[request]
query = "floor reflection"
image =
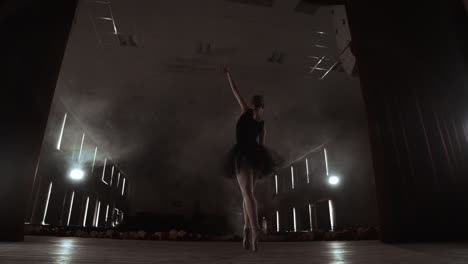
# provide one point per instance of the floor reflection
(64, 251)
(337, 252)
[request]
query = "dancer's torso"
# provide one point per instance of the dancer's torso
(248, 129)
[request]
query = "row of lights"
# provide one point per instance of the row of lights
(98, 209)
(331, 212)
(332, 180)
(78, 175)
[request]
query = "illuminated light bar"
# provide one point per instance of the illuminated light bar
(81, 147)
(71, 208)
(328, 71)
(98, 211)
(317, 64)
(86, 212)
(276, 183)
(307, 169)
(47, 204)
(107, 212)
(310, 217)
(104, 172)
(318, 68)
(95, 213)
(118, 180)
(318, 58)
(277, 221)
(112, 175)
(61, 132)
(320, 46)
(105, 18)
(94, 159)
(123, 186)
(326, 159)
(332, 215)
(294, 218)
(292, 177)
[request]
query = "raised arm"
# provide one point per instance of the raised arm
(243, 104)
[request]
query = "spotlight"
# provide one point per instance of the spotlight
(333, 180)
(76, 174)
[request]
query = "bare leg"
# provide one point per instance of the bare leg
(255, 201)
(245, 177)
(246, 230)
(246, 234)
(246, 216)
(255, 228)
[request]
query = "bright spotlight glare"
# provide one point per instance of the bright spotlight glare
(76, 174)
(333, 180)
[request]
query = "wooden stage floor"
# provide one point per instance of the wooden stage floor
(37, 249)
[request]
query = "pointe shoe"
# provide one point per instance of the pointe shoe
(246, 239)
(255, 238)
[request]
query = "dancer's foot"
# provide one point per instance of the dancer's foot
(246, 239)
(255, 238)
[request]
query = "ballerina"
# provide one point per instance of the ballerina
(249, 160)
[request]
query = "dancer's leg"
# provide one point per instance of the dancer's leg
(245, 177)
(255, 228)
(246, 216)
(254, 182)
(246, 232)
(246, 229)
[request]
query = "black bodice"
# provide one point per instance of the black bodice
(248, 129)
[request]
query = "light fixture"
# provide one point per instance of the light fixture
(333, 180)
(277, 221)
(77, 174)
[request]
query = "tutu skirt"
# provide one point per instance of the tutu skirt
(258, 157)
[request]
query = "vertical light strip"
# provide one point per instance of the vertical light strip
(86, 211)
(95, 213)
(294, 218)
(118, 180)
(47, 203)
(112, 175)
(276, 183)
(332, 214)
(326, 160)
(104, 171)
(123, 186)
(94, 159)
(107, 212)
(112, 17)
(310, 218)
(277, 221)
(71, 208)
(98, 211)
(81, 147)
(292, 177)
(307, 169)
(61, 132)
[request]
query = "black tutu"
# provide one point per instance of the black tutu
(248, 151)
(259, 157)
